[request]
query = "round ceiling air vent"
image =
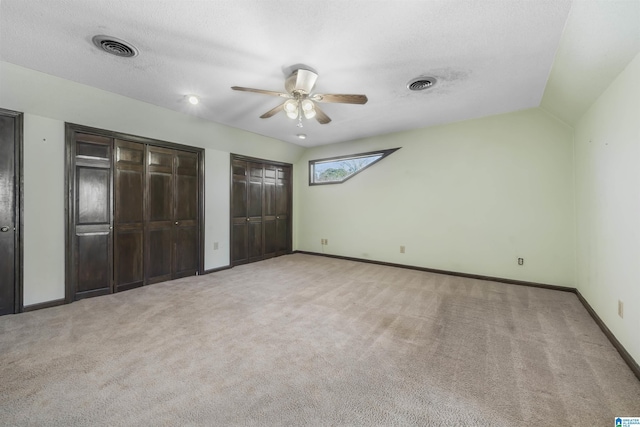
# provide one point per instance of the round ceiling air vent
(115, 46)
(421, 83)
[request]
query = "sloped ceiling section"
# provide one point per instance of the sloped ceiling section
(600, 40)
(489, 57)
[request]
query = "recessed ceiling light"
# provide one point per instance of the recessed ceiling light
(193, 99)
(421, 83)
(301, 136)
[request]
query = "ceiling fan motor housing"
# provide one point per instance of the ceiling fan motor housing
(301, 82)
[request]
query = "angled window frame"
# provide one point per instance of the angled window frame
(381, 153)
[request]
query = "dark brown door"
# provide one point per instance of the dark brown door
(185, 195)
(270, 211)
(254, 212)
(283, 211)
(247, 202)
(92, 214)
(128, 244)
(239, 217)
(160, 214)
(173, 224)
(134, 211)
(260, 210)
(9, 130)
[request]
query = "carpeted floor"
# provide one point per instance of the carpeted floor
(307, 340)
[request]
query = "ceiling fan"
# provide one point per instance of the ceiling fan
(300, 99)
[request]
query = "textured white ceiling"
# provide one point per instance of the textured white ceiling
(599, 41)
(489, 57)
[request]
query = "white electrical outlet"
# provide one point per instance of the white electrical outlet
(324, 241)
(401, 249)
(621, 309)
(215, 246)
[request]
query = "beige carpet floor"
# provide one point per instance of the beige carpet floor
(307, 340)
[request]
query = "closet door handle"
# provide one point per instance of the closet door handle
(248, 219)
(4, 229)
(176, 222)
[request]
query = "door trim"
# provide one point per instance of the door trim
(18, 303)
(70, 130)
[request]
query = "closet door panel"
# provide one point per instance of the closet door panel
(283, 210)
(254, 200)
(129, 196)
(239, 243)
(160, 203)
(92, 217)
(269, 210)
(94, 193)
(239, 212)
(94, 266)
(186, 189)
(239, 190)
(255, 240)
(159, 254)
(270, 233)
(129, 215)
(129, 182)
(254, 211)
(186, 214)
(129, 259)
(269, 190)
(186, 242)
(159, 249)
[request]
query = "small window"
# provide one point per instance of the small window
(336, 170)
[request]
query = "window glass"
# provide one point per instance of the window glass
(338, 169)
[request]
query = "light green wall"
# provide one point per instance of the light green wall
(468, 197)
(48, 102)
(43, 209)
(607, 153)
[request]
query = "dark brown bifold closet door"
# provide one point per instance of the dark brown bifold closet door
(185, 197)
(10, 129)
(160, 214)
(129, 215)
(173, 236)
(283, 210)
(269, 220)
(260, 210)
(91, 238)
(239, 213)
(246, 209)
(134, 212)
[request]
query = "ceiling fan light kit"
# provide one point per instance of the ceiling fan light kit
(300, 99)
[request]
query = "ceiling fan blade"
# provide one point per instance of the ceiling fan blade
(273, 111)
(265, 92)
(321, 117)
(341, 98)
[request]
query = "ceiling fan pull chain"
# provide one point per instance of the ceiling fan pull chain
(299, 115)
